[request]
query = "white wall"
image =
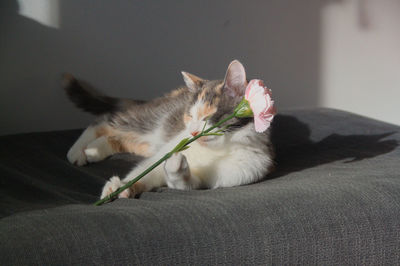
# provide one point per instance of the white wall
(310, 53)
(360, 58)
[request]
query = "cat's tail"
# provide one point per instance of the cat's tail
(87, 98)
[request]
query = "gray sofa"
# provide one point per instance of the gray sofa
(334, 199)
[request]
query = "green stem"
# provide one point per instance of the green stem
(133, 181)
(165, 157)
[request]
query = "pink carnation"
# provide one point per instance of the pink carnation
(259, 97)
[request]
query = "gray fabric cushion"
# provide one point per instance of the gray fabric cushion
(334, 199)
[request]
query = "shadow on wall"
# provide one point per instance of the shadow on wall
(136, 49)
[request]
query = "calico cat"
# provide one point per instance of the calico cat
(153, 128)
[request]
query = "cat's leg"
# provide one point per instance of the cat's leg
(76, 154)
(100, 141)
(152, 180)
(111, 141)
(175, 173)
(95, 144)
(178, 175)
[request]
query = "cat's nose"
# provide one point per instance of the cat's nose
(195, 133)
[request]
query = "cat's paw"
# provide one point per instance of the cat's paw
(112, 185)
(115, 183)
(77, 156)
(94, 154)
(178, 175)
(177, 171)
(177, 163)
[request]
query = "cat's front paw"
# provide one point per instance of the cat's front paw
(177, 171)
(176, 164)
(77, 156)
(112, 185)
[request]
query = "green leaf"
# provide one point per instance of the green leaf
(180, 145)
(184, 148)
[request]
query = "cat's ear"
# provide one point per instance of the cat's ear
(193, 82)
(235, 79)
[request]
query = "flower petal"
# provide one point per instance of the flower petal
(260, 124)
(249, 88)
(261, 103)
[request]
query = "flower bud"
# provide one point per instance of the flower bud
(243, 109)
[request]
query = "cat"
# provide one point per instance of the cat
(153, 128)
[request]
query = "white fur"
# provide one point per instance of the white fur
(177, 173)
(155, 137)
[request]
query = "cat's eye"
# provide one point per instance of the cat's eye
(187, 118)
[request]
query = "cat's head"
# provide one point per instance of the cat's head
(213, 100)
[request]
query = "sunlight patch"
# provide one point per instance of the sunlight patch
(45, 12)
